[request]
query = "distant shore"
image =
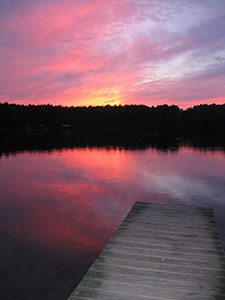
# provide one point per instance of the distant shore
(18, 140)
(128, 117)
(47, 126)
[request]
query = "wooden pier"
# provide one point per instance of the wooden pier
(159, 252)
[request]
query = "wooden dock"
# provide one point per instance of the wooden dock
(159, 252)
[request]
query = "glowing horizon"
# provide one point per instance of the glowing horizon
(82, 53)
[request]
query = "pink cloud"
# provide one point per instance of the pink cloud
(70, 52)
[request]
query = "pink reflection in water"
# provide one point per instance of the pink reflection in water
(73, 200)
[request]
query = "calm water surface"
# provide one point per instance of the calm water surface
(58, 209)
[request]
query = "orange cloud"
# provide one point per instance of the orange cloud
(111, 52)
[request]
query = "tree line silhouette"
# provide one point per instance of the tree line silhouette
(163, 119)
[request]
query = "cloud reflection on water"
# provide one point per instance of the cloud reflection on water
(67, 204)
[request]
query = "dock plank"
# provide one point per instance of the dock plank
(159, 252)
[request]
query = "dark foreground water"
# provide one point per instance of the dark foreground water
(58, 209)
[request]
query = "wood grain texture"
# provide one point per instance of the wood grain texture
(159, 252)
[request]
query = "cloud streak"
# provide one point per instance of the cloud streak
(94, 52)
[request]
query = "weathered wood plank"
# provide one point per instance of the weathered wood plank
(160, 267)
(159, 252)
(162, 258)
(168, 248)
(186, 258)
(157, 275)
(170, 226)
(163, 228)
(114, 275)
(170, 243)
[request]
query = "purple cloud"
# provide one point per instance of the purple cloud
(94, 52)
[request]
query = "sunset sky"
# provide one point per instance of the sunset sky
(98, 52)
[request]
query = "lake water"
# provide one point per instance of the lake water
(58, 209)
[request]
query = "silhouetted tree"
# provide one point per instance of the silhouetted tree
(139, 118)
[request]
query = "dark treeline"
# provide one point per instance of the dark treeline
(139, 118)
(47, 127)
